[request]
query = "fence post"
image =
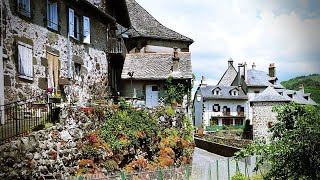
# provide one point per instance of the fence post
(187, 171)
(237, 166)
(122, 176)
(209, 172)
(217, 170)
(245, 167)
(160, 174)
(228, 169)
(16, 116)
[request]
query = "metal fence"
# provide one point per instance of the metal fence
(22, 116)
(222, 169)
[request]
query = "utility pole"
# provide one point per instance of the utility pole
(1, 66)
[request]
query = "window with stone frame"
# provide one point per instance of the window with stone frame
(25, 63)
(216, 108)
(77, 70)
(52, 15)
(23, 7)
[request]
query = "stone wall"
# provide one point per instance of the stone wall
(263, 117)
(34, 31)
(53, 151)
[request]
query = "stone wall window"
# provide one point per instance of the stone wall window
(25, 64)
(52, 15)
(77, 70)
(216, 108)
(24, 7)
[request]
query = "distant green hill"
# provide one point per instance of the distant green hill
(311, 85)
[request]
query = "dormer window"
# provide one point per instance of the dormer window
(290, 95)
(234, 92)
(306, 97)
(216, 91)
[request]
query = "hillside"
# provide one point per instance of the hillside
(311, 85)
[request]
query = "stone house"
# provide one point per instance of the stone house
(260, 88)
(39, 56)
(151, 58)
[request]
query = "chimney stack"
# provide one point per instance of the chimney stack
(245, 70)
(253, 65)
(301, 88)
(239, 73)
(230, 62)
(203, 82)
(272, 70)
(175, 59)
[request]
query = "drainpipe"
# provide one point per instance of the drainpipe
(1, 68)
(69, 70)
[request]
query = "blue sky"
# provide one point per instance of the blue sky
(284, 32)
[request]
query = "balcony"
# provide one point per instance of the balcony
(116, 46)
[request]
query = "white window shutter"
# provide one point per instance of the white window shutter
(71, 22)
(20, 59)
(30, 63)
(86, 30)
(55, 15)
(25, 61)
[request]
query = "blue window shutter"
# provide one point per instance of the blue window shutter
(71, 22)
(86, 30)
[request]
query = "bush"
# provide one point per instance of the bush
(239, 176)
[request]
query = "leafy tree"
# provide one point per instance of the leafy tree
(294, 149)
(174, 91)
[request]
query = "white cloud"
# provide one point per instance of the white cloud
(246, 30)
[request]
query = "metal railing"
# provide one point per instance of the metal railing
(22, 116)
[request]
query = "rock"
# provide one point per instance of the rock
(37, 156)
(65, 136)
(29, 156)
(60, 128)
(43, 169)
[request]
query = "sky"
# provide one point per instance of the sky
(284, 32)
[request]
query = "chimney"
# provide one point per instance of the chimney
(272, 70)
(203, 82)
(230, 62)
(175, 59)
(253, 65)
(301, 88)
(239, 73)
(245, 71)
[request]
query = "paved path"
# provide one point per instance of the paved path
(204, 166)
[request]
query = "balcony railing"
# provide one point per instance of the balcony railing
(225, 114)
(116, 46)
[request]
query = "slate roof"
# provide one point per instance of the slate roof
(144, 24)
(298, 97)
(270, 95)
(224, 93)
(257, 78)
(156, 66)
(229, 76)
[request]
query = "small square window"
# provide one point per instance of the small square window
(216, 108)
(154, 88)
(24, 7)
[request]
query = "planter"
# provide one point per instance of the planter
(200, 131)
(87, 109)
(54, 100)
